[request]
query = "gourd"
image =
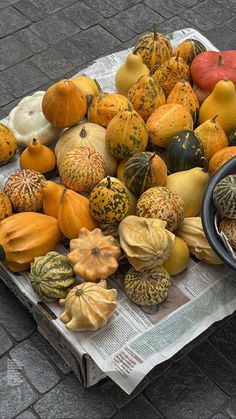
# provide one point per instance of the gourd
(171, 71)
(38, 157)
(24, 189)
(184, 152)
(132, 198)
(212, 137)
(88, 86)
(146, 95)
(221, 102)
(184, 183)
(145, 241)
(5, 206)
(87, 134)
(179, 258)
(189, 49)
(166, 122)
(154, 48)
(224, 197)
(147, 289)
(64, 105)
(105, 106)
(26, 235)
(51, 197)
(120, 170)
(27, 121)
(8, 144)
(51, 276)
(109, 201)
(232, 138)
(93, 255)
(220, 158)
(126, 134)
(88, 306)
(144, 170)
(183, 94)
(228, 227)
(191, 231)
(73, 214)
(129, 73)
(162, 203)
(81, 168)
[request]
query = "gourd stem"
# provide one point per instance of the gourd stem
(83, 133)
(214, 118)
(108, 182)
(154, 29)
(220, 60)
(63, 195)
(177, 56)
(98, 85)
(2, 254)
(35, 142)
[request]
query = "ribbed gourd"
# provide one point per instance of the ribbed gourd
(189, 49)
(224, 197)
(51, 276)
(105, 106)
(172, 71)
(183, 94)
(219, 158)
(212, 137)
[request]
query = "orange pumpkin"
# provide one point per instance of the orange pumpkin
(105, 106)
(220, 158)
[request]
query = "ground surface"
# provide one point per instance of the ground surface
(42, 41)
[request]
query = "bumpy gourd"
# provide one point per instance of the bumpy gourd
(147, 289)
(183, 94)
(105, 106)
(224, 197)
(51, 276)
(37, 157)
(93, 255)
(212, 137)
(129, 73)
(8, 144)
(88, 306)
(25, 236)
(146, 242)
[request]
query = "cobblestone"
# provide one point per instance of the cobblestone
(12, 51)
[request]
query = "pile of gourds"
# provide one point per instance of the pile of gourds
(132, 176)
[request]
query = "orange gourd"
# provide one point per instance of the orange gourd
(38, 157)
(220, 158)
(212, 137)
(172, 71)
(183, 94)
(52, 192)
(105, 106)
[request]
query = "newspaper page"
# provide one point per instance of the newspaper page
(135, 338)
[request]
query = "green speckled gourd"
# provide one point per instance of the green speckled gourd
(147, 289)
(109, 201)
(126, 134)
(189, 49)
(172, 71)
(51, 276)
(183, 94)
(224, 197)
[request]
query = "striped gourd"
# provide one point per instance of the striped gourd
(189, 49)
(109, 201)
(51, 276)
(172, 71)
(224, 197)
(144, 170)
(147, 289)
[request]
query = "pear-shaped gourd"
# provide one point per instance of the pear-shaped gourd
(212, 137)
(38, 157)
(221, 102)
(184, 183)
(129, 73)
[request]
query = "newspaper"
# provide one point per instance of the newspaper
(135, 339)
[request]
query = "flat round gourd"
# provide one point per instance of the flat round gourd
(184, 152)
(147, 289)
(162, 203)
(51, 276)
(224, 197)
(8, 144)
(189, 49)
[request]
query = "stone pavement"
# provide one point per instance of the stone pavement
(42, 41)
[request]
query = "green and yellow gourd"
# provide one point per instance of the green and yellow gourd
(183, 94)
(172, 71)
(51, 276)
(109, 201)
(224, 197)
(189, 49)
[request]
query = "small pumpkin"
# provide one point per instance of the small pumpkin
(88, 306)
(64, 105)
(5, 206)
(146, 95)
(171, 71)
(109, 201)
(51, 276)
(189, 49)
(224, 197)
(166, 122)
(105, 106)
(88, 86)
(24, 189)
(93, 255)
(38, 157)
(184, 152)
(212, 137)
(183, 94)
(129, 73)
(52, 192)
(126, 134)
(147, 289)
(144, 170)
(25, 236)
(220, 158)
(73, 214)
(162, 203)
(8, 144)
(155, 48)
(82, 168)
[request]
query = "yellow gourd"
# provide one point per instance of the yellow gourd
(89, 87)
(129, 73)
(184, 183)
(221, 102)
(179, 258)
(37, 157)
(212, 137)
